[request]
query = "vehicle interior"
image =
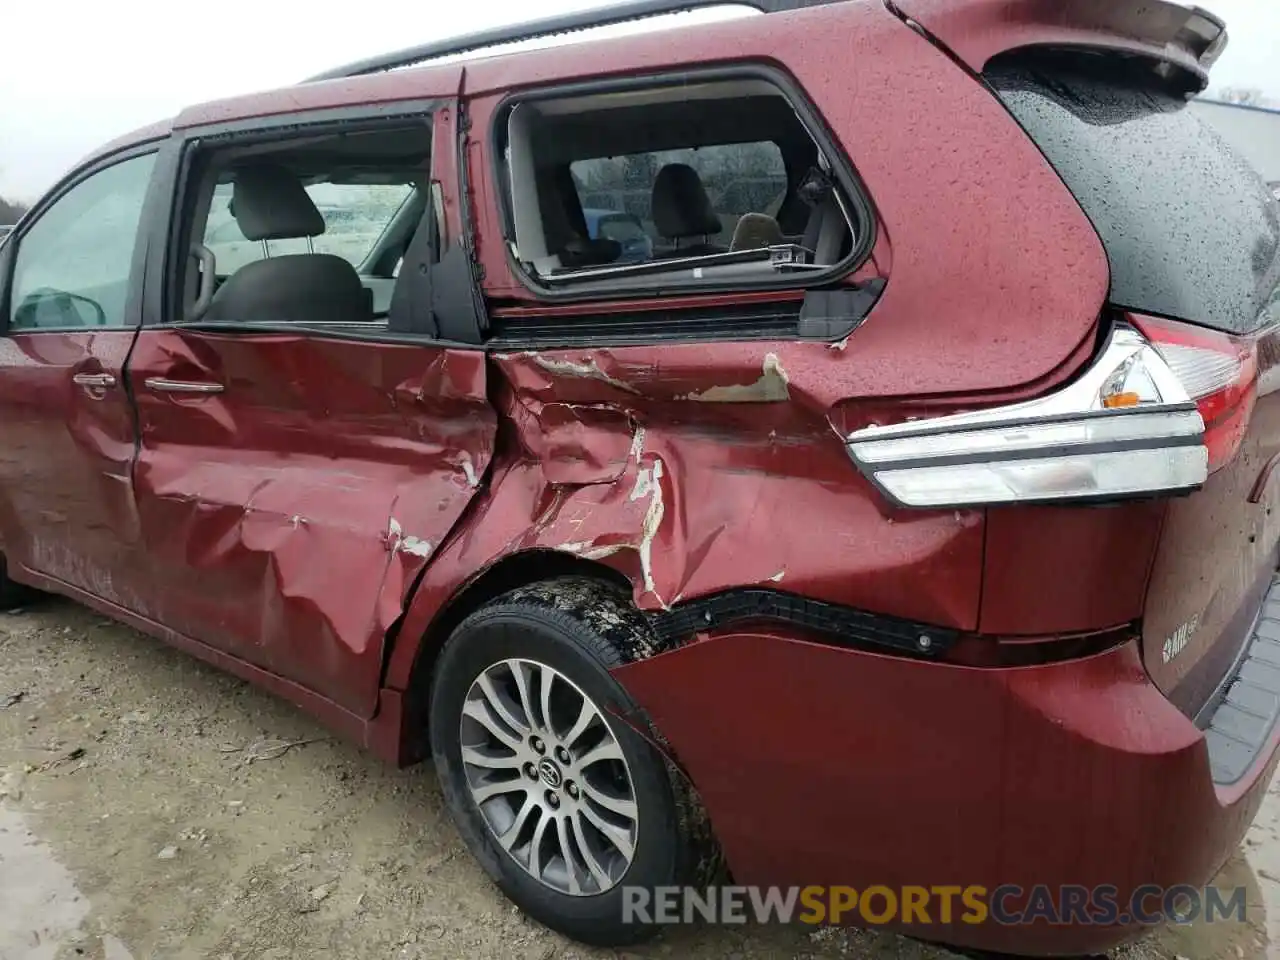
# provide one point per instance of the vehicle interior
(305, 231)
(723, 176)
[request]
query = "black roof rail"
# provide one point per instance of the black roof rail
(547, 27)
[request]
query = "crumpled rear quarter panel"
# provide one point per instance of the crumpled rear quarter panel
(694, 470)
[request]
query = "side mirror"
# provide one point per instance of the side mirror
(72, 310)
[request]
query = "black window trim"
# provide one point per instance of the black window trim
(163, 297)
(853, 191)
(138, 262)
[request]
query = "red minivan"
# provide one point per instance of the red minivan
(903, 515)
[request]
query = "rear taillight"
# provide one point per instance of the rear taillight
(1218, 371)
(1127, 427)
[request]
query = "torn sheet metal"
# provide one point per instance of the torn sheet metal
(584, 444)
(703, 484)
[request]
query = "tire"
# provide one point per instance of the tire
(571, 630)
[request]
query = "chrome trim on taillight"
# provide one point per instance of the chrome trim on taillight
(1068, 446)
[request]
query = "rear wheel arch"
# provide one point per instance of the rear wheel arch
(513, 571)
(570, 632)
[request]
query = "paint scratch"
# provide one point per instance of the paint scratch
(588, 370)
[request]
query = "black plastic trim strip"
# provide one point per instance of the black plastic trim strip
(298, 122)
(373, 333)
(771, 321)
(846, 625)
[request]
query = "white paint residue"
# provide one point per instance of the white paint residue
(589, 551)
(839, 345)
(652, 523)
(469, 469)
(637, 444)
(296, 521)
(399, 543)
(777, 577)
(40, 907)
(588, 370)
(415, 546)
(772, 387)
(646, 480)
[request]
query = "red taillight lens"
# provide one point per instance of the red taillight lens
(1218, 371)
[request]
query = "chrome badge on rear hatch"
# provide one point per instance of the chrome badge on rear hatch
(1179, 639)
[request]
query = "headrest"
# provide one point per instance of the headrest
(269, 203)
(756, 231)
(681, 207)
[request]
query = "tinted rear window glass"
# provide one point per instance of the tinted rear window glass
(1190, 229)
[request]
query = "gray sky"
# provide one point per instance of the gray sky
(77, 73)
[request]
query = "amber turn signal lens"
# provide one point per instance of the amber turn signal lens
(1121, 400)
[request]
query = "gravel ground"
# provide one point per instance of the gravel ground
(147, 809)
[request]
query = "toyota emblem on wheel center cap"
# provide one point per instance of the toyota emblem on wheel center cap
(550, 773)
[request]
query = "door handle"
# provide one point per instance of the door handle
(162, 385)
(99, 380)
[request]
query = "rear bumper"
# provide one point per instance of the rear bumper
(1240, 721)
(823, 766)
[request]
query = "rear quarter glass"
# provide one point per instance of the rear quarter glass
(1190, 229)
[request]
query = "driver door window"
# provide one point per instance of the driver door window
(71, 268)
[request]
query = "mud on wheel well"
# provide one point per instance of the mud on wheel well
(504, 576)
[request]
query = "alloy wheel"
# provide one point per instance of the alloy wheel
(549, 777)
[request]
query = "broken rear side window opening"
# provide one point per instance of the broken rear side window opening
(714, 182)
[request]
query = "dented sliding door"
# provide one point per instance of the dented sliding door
(292, 486)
